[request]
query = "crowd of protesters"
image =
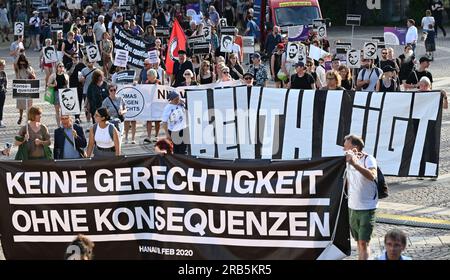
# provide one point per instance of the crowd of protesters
(95, 22)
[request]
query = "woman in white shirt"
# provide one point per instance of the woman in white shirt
(103, 137)
(426, 21)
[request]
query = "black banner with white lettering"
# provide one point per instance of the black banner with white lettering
(26, 89)
(136, 46)
(401, 129)
(175, 207)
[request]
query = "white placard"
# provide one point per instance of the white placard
(153, 56)
(226, 43)
(121, 58)
(248, 44)
(68, 99)
(354, 58)
(19, 28)
(93, 53)
(370, 50)
(50, 54)
(317, 53)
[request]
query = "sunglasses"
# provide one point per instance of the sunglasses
(112, 90)
(383, 53)
(60, 66)
(226, 72)
(309, 65)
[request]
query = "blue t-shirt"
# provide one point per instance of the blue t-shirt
(69, 149)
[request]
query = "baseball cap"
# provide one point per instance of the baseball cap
(388, 68)
(423, 59)
(280, 46)
(256, 55)
(172, 95)
(181, 52)
(299, 64)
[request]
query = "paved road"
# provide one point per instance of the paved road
(425, 204)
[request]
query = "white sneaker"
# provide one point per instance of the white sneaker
(154, 139)
(2, 124)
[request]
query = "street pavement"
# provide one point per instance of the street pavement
(421, 208)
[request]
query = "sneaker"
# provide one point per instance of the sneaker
(7, 39)
(147, 140)
(2, 125)
(19, 121)
(154, 139)
(133, 142)
(125, 141)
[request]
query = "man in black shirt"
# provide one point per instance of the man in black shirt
(301, 80)
(414, 77)
(74, 82)
(181, 65)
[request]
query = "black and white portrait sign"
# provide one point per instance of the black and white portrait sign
(50, 54)
(68, 98)
(121, 58)
(226, 43)
(320, 27)
(207, 32)
(19, 28)
(354, 59)
(93, 53)
(370, 50)
(223, 22)
(292, 52)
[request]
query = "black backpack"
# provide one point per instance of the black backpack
(382, 187)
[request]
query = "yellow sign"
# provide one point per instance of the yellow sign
(296, 3)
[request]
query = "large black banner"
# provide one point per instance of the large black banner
(401, 129)
(151, 207)
(136, 46)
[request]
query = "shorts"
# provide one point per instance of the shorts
(362, 223)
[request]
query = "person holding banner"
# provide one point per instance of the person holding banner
(69, 140)
(35, 136)
(23, 72)
(174, 122)
(360, 178)
(104, 138)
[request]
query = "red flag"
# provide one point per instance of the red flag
(177, 42)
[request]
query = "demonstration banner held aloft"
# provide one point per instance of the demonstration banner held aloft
(136, 46)
(175, 207)
(401, 129)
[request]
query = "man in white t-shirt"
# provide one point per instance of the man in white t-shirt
(362, 192)
(174, 122)
(412, 34)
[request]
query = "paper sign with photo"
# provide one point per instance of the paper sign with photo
(93, 53)
(354, 58)
(370, 50)
(50, 54)
(68, 98)
(226, 43)
(19, 28)
(292, 52)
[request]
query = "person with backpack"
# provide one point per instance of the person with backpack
(368, 76)
(104, 139)
(362, 192)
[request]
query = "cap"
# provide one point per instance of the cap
(256, 55)
(35, 12)
(388, 68)
(249, 74)
(280, 46)
(299, 64)
(172, 95)
(423, 59)
(181, 52)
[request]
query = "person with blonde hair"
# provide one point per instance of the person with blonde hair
(205, 75)
(333, 81)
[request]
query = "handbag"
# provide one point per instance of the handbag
(120, 117)
(49, 95)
